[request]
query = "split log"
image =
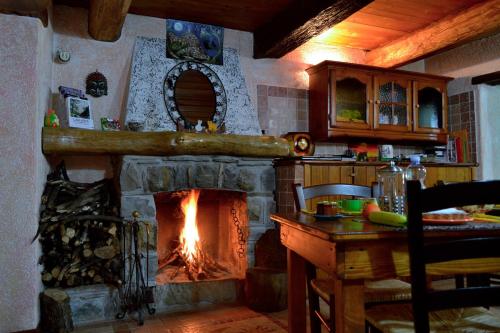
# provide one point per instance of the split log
(55, 311)
(105, 252)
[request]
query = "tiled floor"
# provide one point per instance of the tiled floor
(234, 319)
(228, 319)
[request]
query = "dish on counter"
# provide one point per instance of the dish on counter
(446, 218)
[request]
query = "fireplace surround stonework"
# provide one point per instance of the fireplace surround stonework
(141, 177)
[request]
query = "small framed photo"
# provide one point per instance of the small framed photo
(79, 113)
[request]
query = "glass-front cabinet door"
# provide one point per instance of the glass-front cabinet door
(429, 107)
(351, 99)
(392, 103)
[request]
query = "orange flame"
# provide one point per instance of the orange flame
(189, 236)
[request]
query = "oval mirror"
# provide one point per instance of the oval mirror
(193, 92)
(194, 96)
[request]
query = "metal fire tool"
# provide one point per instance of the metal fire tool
(135, 291)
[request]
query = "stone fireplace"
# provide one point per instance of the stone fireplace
(237, 193)
(154, 186)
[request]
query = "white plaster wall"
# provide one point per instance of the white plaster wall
(113, 60)
(489, 120)
(25, 66)
(475, 58)
(472, 59)
(417, 66)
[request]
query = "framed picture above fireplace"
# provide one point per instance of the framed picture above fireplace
(194, 95)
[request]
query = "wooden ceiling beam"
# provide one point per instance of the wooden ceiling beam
(477, 21)
(34, 8)
(106, 18)
(299, 22)
(492, 79)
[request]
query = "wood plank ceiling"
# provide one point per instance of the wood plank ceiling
(386, 29)
(383, 21)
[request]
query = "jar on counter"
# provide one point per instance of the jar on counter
(391, 188)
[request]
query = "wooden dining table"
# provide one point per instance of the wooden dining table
(352, 250)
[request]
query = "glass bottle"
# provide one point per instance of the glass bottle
(415, 171)
(391, 188)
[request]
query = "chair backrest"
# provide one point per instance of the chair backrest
(301, 194)
(422, 253)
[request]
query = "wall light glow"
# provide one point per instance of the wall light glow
(315, 56)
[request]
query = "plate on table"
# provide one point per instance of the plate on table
(351, 213)
(320, 217)
(446, 218)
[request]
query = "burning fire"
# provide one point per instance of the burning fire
(189, 237)
(189, 254)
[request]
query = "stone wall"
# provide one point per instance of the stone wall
(141, 177)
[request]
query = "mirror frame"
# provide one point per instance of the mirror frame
(169, 92)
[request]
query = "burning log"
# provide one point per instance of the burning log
(79, 232)
(201, 267)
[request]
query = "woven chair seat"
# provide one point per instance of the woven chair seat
(379, 291)
(389, 318)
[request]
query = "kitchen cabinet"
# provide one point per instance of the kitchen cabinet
(449, 174)
(352, 96)
(317, 171)
(324, 173)
(393, 106)
(430, 103)
(349, 101)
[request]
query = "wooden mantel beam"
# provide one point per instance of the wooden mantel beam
(106, 18)
(64, 141)
(301, 21)
(474, 22)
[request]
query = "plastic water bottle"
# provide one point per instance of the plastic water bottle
(415, 171)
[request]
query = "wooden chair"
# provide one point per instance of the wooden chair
(391, 290)
(452, 310)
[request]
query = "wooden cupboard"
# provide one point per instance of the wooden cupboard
(317, 171)
(429, 106)
(356, 101)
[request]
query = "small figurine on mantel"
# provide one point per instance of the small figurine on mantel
(199, 126)
(51, 119)
(212, 127)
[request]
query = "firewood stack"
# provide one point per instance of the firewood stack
(80, 233)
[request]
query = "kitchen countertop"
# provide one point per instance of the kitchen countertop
(335, 159)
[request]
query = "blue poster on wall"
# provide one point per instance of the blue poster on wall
(195, 41)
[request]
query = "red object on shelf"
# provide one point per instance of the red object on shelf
(460, 153)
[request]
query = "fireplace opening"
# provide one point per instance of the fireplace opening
(201, 235)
